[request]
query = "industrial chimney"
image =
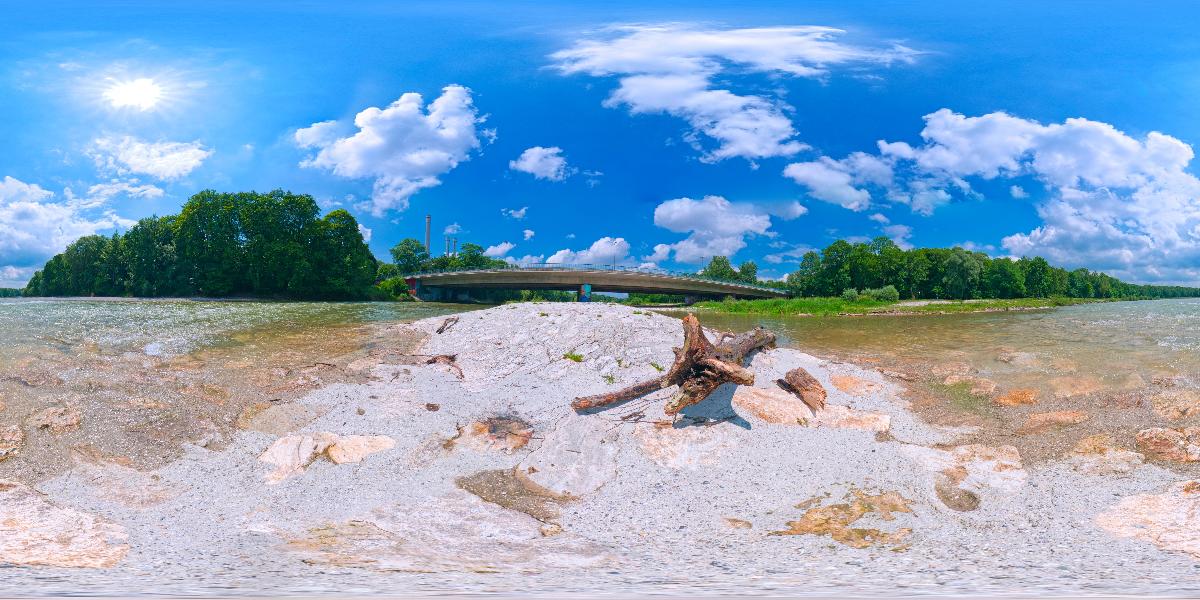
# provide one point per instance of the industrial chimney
(454, 246)
(447, 245)
(428, 221)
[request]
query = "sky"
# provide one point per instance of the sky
(655, 134)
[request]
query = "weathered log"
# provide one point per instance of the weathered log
(447, 324)
(699, 369)
(448, 360)
(805, 387)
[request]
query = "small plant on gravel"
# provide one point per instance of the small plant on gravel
(609, 379)
(575, 356)
(542, 314)
(657, 367)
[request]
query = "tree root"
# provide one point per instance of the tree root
(447, 324)
(699, 369)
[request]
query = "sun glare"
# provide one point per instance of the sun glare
(141, 93)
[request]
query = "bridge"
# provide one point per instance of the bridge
(583, 279)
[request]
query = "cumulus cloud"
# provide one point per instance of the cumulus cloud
(365, 232)
(34, 226)
(162, 160)
(101, 193)
(403, 148)
(543, 163)
(528, 259)
(499, 250)
(842, 182)
(514, 213)
(715, 226)
(1119, 203)
(675, 69)
(528, 233)
(604, 251)
(452, 229)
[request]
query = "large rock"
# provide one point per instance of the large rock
(503, 434)
(37, 532)
(1017, 397)
(1177, 403)
(1176, 445)
(683, 447)
(576, 458)
(56, 419)
(780, 407)
(854, 385)
(1096, 455)
(975, 469)
(291, 455)
(1167, 520)
(12, 439)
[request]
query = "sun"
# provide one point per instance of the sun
(142, 93)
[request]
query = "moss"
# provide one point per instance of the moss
(657, 367)
(574, 356)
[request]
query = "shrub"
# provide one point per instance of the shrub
(887, 293)
(394, 288)
(573, 356)
(850, 295)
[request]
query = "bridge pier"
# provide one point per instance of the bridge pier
(689, 299)
(585, 292)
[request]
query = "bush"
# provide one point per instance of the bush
(850, 295)
(887, 293)
(394, 288)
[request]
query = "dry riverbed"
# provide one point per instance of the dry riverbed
(373, 472)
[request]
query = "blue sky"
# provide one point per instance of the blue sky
(641, 133)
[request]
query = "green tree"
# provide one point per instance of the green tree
(803, 281)
(962, 271)
(748, 272)
(720, 269)
(410, 256)
(1003, 279)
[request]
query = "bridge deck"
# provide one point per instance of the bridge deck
(601, 280)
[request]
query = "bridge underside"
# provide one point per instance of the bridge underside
(442, 285)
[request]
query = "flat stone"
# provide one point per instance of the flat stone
(12, 439)
(855, 386)
(37, 532)
(683, 447)
(974, 468)
(1017, 397)
(1175, 445)
(291, 455)
(1069, 387)
(576, 458)
(502, 434)
(780, 407)
(1096, 455)
(1176, 403)
(56, 419)
(1167, 520)
(979, 386)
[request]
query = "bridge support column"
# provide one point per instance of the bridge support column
(585, 292)
(689, 300)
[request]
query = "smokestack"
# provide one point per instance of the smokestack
(447, 245)
(428, 221)
(454, 246)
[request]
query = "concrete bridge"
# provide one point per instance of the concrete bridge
(582, 279)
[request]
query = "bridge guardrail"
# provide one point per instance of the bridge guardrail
(597, 267)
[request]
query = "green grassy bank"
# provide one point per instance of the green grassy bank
(824, 307)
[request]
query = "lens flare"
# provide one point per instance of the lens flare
(142, 94)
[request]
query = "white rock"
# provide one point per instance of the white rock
(1167, 520)
(37, 532)
(291, 455)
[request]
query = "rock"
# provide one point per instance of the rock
(504, 434)
(1027, 360)
(1177, 403)
(777, 406)
(456, 532)
(12, 439)
(291, 455)
(950, 368)
(835, 520)
(37, 532)
(1017, 397)
(1175, 445)
(1167, 520)
(974, 468)
(954, 497)
(734, 523)
(1133, 381)
(576, 458)
(852, 385)
(979, 386)
(123, 485)
(684, 447)
(902, 376)
(1069, 387)
(1060, 418)
(1096, 455)
(1064, 365)
(56, 419)
(800, 383)
(512, 489)
(280, 419)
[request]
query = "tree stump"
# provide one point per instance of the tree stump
(699, 369)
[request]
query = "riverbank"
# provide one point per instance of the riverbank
(391, 470)
(829, 307)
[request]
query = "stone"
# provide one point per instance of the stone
(735, 523)
(835, 520)
(12, 439)
(902, 376)
(971, 470)
(683, 447)
(947, 369)
(56, 419)
(780, 407)
(457, 532)
(1167, 520)
(1059, 418)
(979, 386)
(576, 458)
(1174, 445)
(954, 497)
(1017, 397)
(37, 532)
(1096, 455)
(1177, 403)
(1027, 360)
(1069, 387)
(855, 386)
(291, 455)
(503, 434)
(278, 419)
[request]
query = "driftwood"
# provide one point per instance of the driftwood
(447, 324)
(699, 369)
(448, 360)
(805, 387)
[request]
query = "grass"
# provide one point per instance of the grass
(657, 367)
(824, 307)
(609, 379)
(960, 397)
(573, 356)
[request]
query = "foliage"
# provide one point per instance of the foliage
(573, 356)
(221, 244)
(9, 293)
(850, 295)
(887, 293)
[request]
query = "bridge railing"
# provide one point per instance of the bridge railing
(600, 267)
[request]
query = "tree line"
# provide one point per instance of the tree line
(952, 273)
(272, 245)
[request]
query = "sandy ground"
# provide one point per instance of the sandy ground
(418, 480)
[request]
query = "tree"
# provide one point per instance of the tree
(410, 256)
(803, 281)
(1003, 279)
(962, 273)
(748, 272)
(720, 269)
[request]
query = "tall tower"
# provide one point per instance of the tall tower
(428, 221)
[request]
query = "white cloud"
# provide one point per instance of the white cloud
(365, 232)
(162, 160)
(900, 234)
(1117, 203)
(789, 253)
(674, 69)
(13, 277)
(543, 163)
(514, 213)
(1018, 192)
(499, 250)
(880, 218)
(528, 233)
(715, 226)
(528, 259)
(452, 229)
(842, 182)
(404, 147)
(604, 251)
(101, 193)
(34, 227)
